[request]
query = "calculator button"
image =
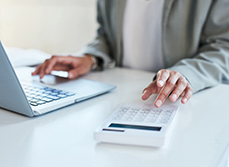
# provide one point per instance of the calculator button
(162, 121)
(116, 118)
(150, 120)
(138, 120)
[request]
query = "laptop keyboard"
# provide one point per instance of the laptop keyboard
(42, 95)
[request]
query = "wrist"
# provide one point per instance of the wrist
(94, 61)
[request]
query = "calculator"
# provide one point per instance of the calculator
(138, 124)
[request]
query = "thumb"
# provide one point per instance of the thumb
(73, 74)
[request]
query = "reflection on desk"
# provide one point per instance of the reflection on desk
(65, 137)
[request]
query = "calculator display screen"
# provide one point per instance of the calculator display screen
(152, 128)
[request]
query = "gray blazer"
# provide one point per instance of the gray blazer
(195, 38)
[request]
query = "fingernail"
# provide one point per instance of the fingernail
(144, 92)
(158, 103)
(185, 100)
(160, 83)
(174, 96)
(70, 75)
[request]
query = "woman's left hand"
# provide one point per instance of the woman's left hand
(168, 84)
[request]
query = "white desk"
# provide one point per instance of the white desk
(65, 138)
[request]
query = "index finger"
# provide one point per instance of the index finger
(162, 77)
(37, 70)
(52, 62)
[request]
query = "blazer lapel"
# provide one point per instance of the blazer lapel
(120, 8)
(166, 12)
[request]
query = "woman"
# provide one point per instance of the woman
(185, 42)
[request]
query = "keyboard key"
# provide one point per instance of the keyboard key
(33, 104)
(53, 97)
(47, 99)
(62, 96)
(44, 94)
(41, 102)
(34, 100)
(56, 91)
(53, 94)
(70, 94)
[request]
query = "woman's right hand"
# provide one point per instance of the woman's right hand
(75, 66)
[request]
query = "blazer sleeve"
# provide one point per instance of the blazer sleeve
(99, 47)
(210, 66)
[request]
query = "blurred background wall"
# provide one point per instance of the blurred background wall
(53, 26)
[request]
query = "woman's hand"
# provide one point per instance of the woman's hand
(75, 66)
(168, 84)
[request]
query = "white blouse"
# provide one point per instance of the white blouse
(142, 35)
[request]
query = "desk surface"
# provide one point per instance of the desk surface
(65, 137)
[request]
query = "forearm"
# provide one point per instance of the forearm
(210, 65)
(208, 68)
(99, 49)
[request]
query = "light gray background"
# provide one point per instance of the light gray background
(53, 26)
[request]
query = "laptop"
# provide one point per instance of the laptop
(33, 98)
